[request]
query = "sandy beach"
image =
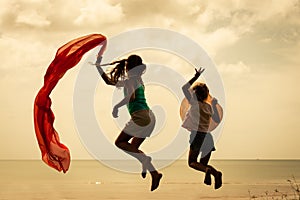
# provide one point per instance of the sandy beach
(93, 180)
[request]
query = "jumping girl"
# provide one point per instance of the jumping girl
(127, 74)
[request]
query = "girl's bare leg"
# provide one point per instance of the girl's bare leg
(137, 143)
(132, 149)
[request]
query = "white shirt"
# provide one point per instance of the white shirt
(198, 116)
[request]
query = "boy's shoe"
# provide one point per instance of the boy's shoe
(218, 180)
(207, 179)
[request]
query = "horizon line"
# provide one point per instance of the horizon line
(214, 159)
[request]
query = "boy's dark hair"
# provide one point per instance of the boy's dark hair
(201, 91)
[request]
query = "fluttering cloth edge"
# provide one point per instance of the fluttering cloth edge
(54, 153)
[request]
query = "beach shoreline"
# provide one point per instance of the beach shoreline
(89, 179)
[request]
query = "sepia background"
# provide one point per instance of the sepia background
(255, 46)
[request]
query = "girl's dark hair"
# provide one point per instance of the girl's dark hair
(118, 71)
(201, 91)
(132, 61)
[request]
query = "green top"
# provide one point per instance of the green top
(139, 102)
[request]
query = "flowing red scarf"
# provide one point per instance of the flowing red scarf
(54, 153)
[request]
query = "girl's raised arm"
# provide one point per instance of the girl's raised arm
(104, 76)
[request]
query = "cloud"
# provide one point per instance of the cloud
(32, 18)
(21, 57)
(262, 10)
(268, 9)
(216, 26)
(231, 20)
(8, 12)
(58, 16)
(94, 13)
(289, 54)
(219, 40)
(20, 13)
(235, 69)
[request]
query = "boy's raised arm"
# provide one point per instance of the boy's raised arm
(186, 87)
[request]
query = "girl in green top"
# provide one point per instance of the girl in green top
(127, 74)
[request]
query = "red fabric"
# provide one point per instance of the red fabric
(54, 153)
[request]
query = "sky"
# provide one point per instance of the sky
(255, 46)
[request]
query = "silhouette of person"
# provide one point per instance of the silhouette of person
(197, 121)
(127, 75)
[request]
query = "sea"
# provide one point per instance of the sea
(90, 179)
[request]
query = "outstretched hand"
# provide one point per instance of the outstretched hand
(99, 59)
(99, 56)
(214, 101)
(115, 112)
(199, 71)
(103, 48)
